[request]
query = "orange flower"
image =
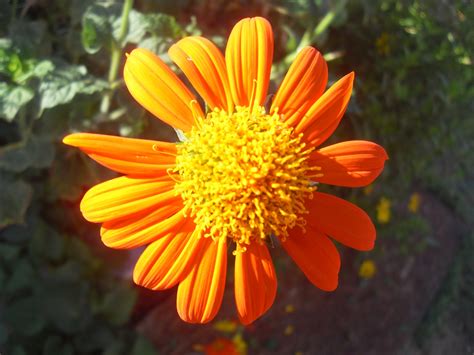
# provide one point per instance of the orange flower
(221, 346)
(242, 175)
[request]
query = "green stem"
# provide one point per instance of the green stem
(13, 12)
(116, 53)
(25, 125)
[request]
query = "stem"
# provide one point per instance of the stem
(22, 122)
(13, 12)
(25, 125)
(116, 53)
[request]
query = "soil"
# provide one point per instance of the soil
(363, 316)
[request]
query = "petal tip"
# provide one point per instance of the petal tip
(310, 50)
(70, 139)
(260, 19)
(137, 276)
(333, 287)
(247, 320)
(348, 79)
(371, 241)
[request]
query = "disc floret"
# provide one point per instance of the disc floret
(243, 175)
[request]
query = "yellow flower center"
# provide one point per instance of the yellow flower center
(243, 175)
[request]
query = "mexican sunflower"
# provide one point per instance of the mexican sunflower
(245, 174)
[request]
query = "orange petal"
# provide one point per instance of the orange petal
(168, 260)
(204, 65)
(249, 55)
(351, 163)
(316, 255)
(200, 293)
(341, 220)
(255, 282)
(159, 90)
(129, 156)
(303, 85)
(143, 228)
(125, 196)
(323, 117)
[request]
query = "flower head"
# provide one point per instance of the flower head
(414, 203)
(221, 346)
(384, 211)
(242, 176)
(367, 269)
(226, 326)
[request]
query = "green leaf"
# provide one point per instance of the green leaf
(23, 274)
(118, 304)
(15, 197)
(20, 233)
(60, 86)
(46, 243)
(137, 27)
(18, 66)
(101, 24)
(3, 334)
(12, 99)
(115, 348)
(55, 243)
(65, 304)
(95, 337)
(3, 278)
(162, 25)
(154, 44)
(18, 350)
(71, 271)
(9, 253)
(81, 253)
(55, 345)
(143, 346)
(35, 69)
(10, 61)
(162, 30)
(35, 153)
(24, 316)
(96, 27)
(42, 68)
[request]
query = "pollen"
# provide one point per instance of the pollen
(243, 176)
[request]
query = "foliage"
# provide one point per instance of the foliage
(415, 85)
(414, 94)
(57, 296)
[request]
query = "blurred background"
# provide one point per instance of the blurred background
(63, 292)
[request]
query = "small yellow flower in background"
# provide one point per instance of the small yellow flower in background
(414, 203)
(384, 212)
(368, 189)
(289, 330)
(226, 326)
(240, 344)
(382, 44)
(367, 269)
(289, 308)
(299, 353)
